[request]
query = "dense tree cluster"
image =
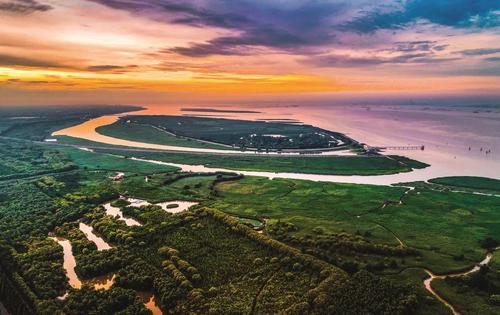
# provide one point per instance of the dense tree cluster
(136, 274)
(489, 243)
(23, 160)
(117, 300)
(365, 293)
(42, 263)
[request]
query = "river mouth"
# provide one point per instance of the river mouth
(87, 131)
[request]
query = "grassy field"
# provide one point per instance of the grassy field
(106, 162)
(327, 165)
(471, 182)
(444, 227)
(150, 134)
(308, 205)
(240, 133)
(165, 187)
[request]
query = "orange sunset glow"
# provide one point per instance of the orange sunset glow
(100, 50)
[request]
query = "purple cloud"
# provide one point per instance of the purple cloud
(23, 6)
(346, 61)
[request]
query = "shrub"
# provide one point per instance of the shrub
(297, 267)
(212, 291)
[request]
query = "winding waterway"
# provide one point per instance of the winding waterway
(168, 206)
(89, 233)
(116, 212)
(432, 277)
(69, 263)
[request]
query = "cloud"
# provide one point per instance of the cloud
(111, 68)
(452, 13)
(240, 45)
(294, 25)
(492, 59)
(9, 60)
(347, 61)
(306, 26)
(23, 6)
(480, 51)
(413, 46)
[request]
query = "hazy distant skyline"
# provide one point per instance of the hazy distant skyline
(160, 51)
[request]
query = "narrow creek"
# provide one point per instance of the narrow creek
(69, 263)
(174, 206)
(432, 277)
(385, 180)
(116, 212)
(104, 282)
(150, 302)
(91, 236)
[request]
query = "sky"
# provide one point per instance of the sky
(192, 51)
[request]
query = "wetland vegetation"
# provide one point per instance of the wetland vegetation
(320, 248)
(243, 134)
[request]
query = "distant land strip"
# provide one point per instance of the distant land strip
(215, 110)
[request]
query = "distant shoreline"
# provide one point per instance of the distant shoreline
(215, 110)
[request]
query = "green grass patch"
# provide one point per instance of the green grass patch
(308, 205)
(98, 161)
(150, 134)
(471, 182)
(243, 133)
(445, 226)
(327, 165)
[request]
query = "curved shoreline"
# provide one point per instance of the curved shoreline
(87, 131)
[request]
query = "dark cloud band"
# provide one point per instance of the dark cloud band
(23, 6)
